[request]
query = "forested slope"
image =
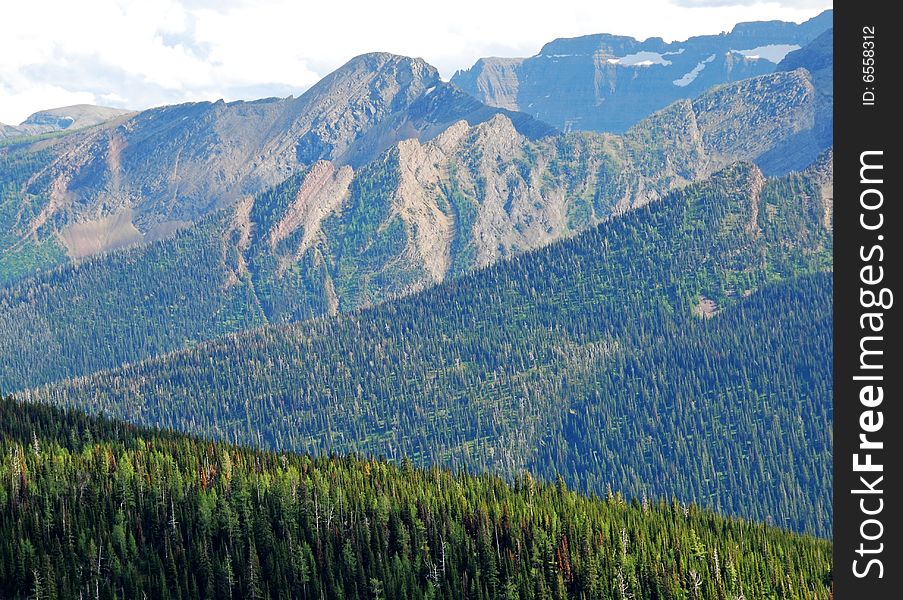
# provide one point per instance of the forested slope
(588, 358)
(21, 257)
(96, 508)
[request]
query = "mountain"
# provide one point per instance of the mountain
(608, 83)
(67, 118)
(97, 508)
(388, 340)
(139, 179)
(649, 344)
(334, 237)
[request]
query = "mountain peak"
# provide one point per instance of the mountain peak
(386, 64)
(378, 60)
(769, 31)
(75, 116)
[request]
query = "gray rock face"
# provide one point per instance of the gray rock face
(608, 83)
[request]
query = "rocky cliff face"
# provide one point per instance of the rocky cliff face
(608, 83)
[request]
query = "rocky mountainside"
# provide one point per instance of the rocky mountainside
(388, 266)
(67, 118)
(608, 83)
(335, 237)
(139, 179)
(818, 59)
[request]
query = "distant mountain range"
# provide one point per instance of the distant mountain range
(608, 83)
(67, 118)
(116, 179)
(139, 178)
(163, 168)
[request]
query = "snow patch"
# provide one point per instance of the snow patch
(690, 76)
(640, 59)
(772, 53)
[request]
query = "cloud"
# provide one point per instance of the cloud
(793, 4)
(25, 98)
(137, 54)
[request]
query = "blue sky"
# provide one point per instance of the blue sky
(137, 54)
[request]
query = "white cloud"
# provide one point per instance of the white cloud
(27, 97)
(112, 98)
(135, 54)
(803, 4)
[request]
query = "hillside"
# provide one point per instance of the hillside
(333, 237)
(591, 357)
(609, 83)
(96, 508)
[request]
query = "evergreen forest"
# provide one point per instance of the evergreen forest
(96, 508)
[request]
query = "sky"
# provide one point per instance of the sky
(137, 54)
